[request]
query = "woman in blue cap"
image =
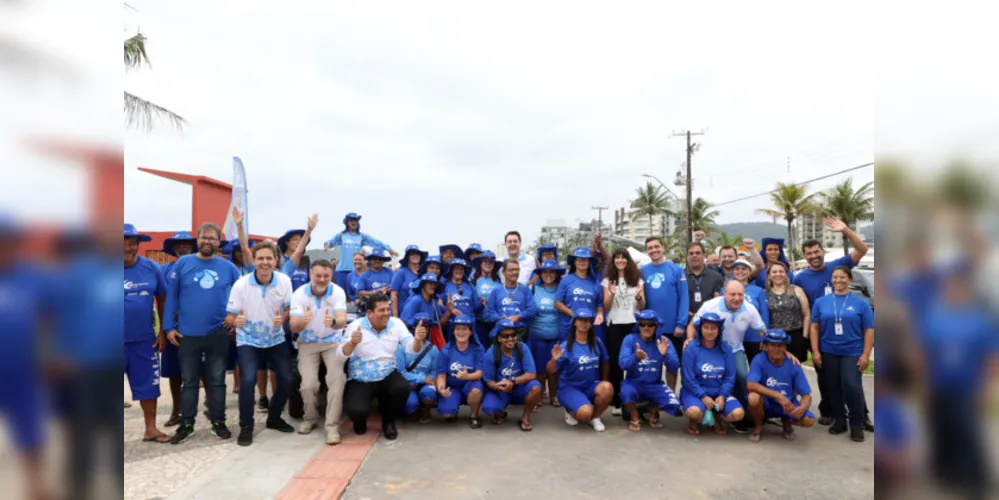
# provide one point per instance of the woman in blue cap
(409, 271)
(351, 239)
(709, 377)
(417, 362)
(509, 373)
(774, 384)
(178, 245)
(579, 290)
(459, 373)
(544, 332)
(643, 355)
(582, 363)
(457, 294)
(485, 281)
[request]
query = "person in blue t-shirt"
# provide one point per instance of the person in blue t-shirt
(643, 356)
(582, 363)
(709, 377)
(178, 245)
(193, 316)
(666, 290)
(350, 241)
(544, 332)
(579, 290)
(457, 294)
(842, 339)
(459, 373)
(425, 301)
(485, 281)
(774, 385)
(510, 376)
(417, 362)
(512, 300)
(354, 278)
(741, 272)
(409, 271)
(378, 277)
(144, 285)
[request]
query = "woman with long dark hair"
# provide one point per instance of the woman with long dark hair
(789, 310)
(624, 295)
(486, 280)
(582, 363)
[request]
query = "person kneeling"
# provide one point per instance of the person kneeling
(459, 372)
(582, 363)
(509, 372)
(418, 364)
(774, 385)
(643, 355)
(709, 377)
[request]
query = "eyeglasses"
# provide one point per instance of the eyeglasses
(647, 324)
(207, 238)
(506, 336)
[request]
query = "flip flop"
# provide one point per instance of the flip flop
(526, 426)
(162, 439)
(173, 422)
(789, 433)
(474, 423)
(654, 423)
(720, 431)
(754, 437)
(128, 405)
(693, 431)
(556, 404)
(635, 425)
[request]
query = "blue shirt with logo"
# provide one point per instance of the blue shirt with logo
(371, 280)
(298, 275)
(401, 281)
(353, 285)
(666, 294)
(758, 298)
(465, 299)
(580, 367)
(143, 283)
(787, 379)
(958, 343)
(814, 283)
(90, 320)
(578, 293)
(484, 289)
(649, 370)
(416, 305)
(350, 244)
(856, 316)
(197, 295)
(506, 303)
(708, 372)
(546, 323)
(26, 295)
(510, 367)
(452, 360)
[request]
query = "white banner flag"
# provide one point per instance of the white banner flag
(238, 200)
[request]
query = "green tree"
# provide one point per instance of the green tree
(848, 205)
(650, 201)
(790, 201)
(724, 240)
(140, 113)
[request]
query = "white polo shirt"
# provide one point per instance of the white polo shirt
(527, 266)
(374, 358)
(736, 323)
(260, 303)
(334, 301)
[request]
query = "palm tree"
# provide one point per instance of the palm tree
(703, 215)
(650, 201)
(848, 205)
(790, 201)
(725, 241)
(139, 112)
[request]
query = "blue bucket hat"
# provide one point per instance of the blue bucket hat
(550, 265)
(458, 262)
(131, 232)
(580, 253)
(458, 254)
(413, 250)
(178, 237)
(474, 247)
(234, 245)
(436, 259)
(469, 321)
(380, 254)
(547, 247)
(282, 242)
(583, 313)
(712, 318)
(350, 216)
(648, 315)
(417, 284)
(776, 336)
(487, 255)
(503, 324)
(425, 317)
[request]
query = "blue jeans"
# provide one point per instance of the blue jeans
(278, 359)
(846, 387)
(215, 349)
(741, 374)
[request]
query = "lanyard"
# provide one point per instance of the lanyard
(839, 315)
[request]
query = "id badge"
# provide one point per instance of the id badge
(839, 328)
(828, 289)
(697, 297)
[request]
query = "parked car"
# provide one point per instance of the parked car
(863, 284)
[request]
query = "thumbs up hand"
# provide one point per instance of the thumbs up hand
(421, 331)
(355, 337)
(307, 315)
(278, 318)
(639, 353)
(240, 321)
(328, 319)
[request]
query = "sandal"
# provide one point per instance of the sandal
(654, 423)
(635, 425)
(789, 432)
(525, 426)
(499, 419)
(555, 403)
(693, 429)
(474, 423)
(720, 431)
(173, 422)
(754, 437)
(162, 439)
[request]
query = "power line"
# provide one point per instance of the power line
(858, 167)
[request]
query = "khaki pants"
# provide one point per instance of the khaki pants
(309, 356)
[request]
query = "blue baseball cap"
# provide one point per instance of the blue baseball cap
(503, 324)
(131, 232)
(583, 313)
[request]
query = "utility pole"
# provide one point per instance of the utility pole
(600, 218)
(691, 148)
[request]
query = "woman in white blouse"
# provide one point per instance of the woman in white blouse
(624, 295)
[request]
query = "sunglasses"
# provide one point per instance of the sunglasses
(506, 336)
(647, 324)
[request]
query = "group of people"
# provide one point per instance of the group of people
(466, 327)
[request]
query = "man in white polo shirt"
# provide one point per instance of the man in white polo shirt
(370, 346)
(318, 316)
(527, 263)
(258, 307)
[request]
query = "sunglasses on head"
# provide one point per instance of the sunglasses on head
(647, 324)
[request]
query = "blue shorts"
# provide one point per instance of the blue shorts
(425, 394)
(142, 365)
(690, 399)
(459, 396)
(541, 351)
(658, 394)
(495, 402)
(574, 398)
(772, 409)
(21, 408)
(170, 361)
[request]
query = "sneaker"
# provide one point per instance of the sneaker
(332, 436)
(570, 420)
(837, 429)
(868, 425)
(360, 427)
(263, 403)
(280, 425)
(184, 432)
(597, 425)
(306, 427)
(826, 421)
(245, 435)
(220, 430)
(740, 427)
(616, 412)
(857, 435)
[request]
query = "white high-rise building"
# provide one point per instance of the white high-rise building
(639, 229)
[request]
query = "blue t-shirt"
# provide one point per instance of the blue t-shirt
(26, 294)
(372, 280)
(510, 367)
(958, 344)
(197, 295)
(484, 289)
(787, 379)
(578, 293)
(856, 316)
(298, 275)
(143, 283)
(666, 294)
(452, 360)
(546, 323)
(650, 369)
(708, 372)
(504, 303)
(90, 320)
(350, 244)
(580, 368)
(427, 367)
(465, 299)
(416, 305)
(758, 298)
(353, 285)
(814, 282)
(401, 281)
